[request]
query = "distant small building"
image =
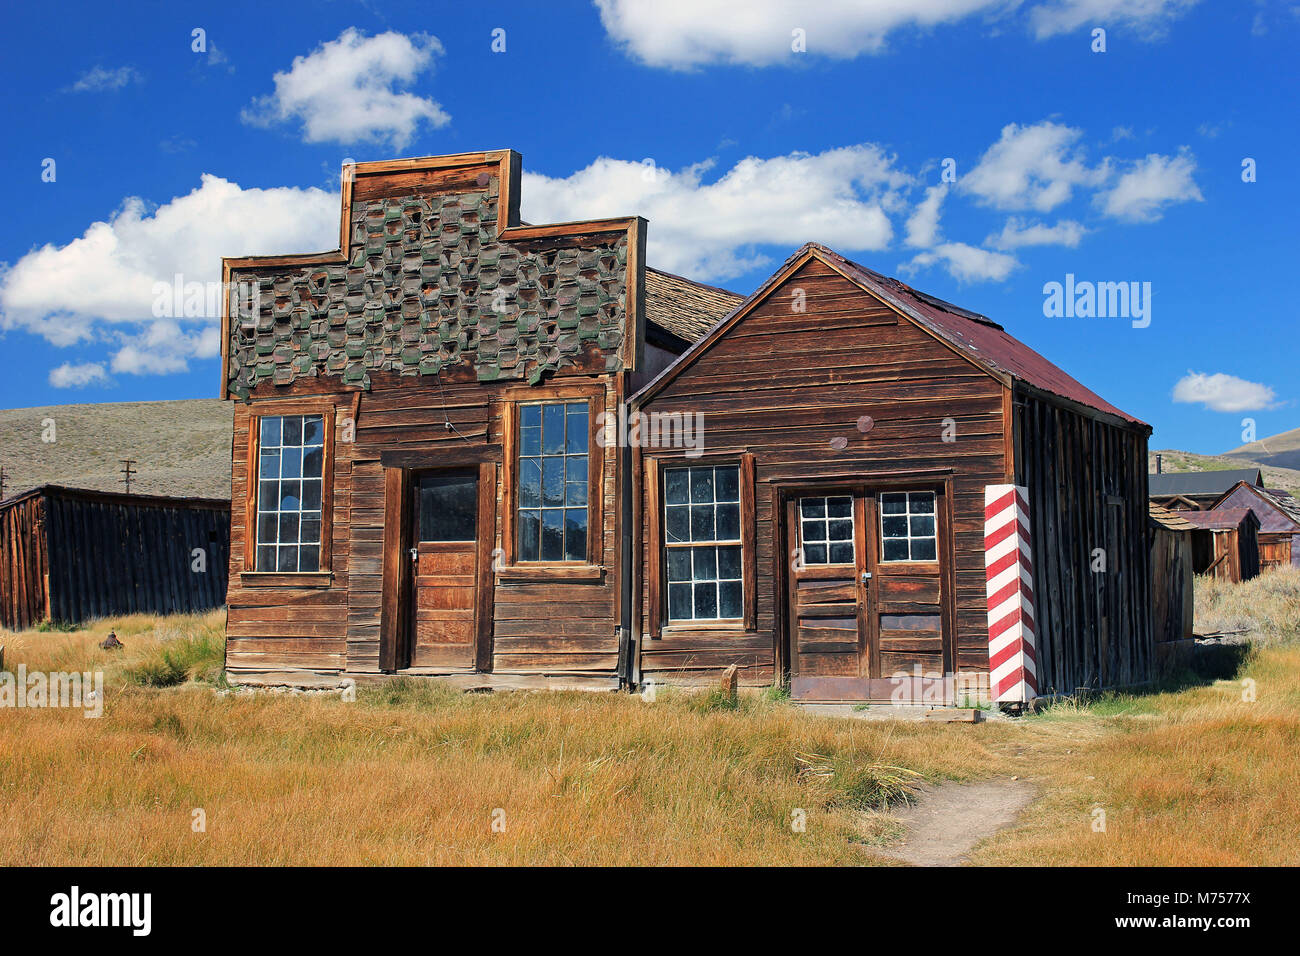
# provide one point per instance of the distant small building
(1172, 604)
(1279, 521)
(1197, 490)
(1225, 542)
(68, 554)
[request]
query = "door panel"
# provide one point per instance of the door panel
(830, 601)
(445, 613)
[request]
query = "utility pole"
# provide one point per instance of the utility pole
(3, 479)
(127, 472)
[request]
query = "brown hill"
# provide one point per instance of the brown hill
(1281, 450)
(179, 447)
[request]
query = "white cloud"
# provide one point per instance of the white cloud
(1150, 18)
(841, 197)
(347, 90)
(103, 285)
(964, 262)
(682, 34)
(1032, 167)
(68, 375)
(923, 224)
(1017, 233)
(1223, 393)
(100, 80)
(1151, 184)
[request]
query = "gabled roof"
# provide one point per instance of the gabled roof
(1215, 483)
(978, 338)
(1286, 501)
(1218, 519)
(685, 308)
(1275, 515)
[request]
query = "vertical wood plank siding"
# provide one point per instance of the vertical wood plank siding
(23, 563)
(70, 555)
(1087, 484)
(782, 384)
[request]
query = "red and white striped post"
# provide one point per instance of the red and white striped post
(1009, 576)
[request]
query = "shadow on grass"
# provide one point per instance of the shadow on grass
(1206, 664)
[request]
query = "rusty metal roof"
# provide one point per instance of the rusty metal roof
(686, 309)
(1286, 501)
(1219, 519)
(978, 336)
(1277, 511)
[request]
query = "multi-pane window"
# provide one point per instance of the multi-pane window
(827, 529)
(702, 543)
(290, 479)
(552, 494)
(907, 529)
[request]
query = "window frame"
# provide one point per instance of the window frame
(880, 525)
(656, 555)
(251, 574)
(716, 543)
(851, 541)
(593, 566)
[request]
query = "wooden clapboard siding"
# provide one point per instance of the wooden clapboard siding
(542, 623)
(1087, 482)
(287, 623)
(783, 385)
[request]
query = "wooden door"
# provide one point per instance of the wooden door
(834, 651)
(444, 632)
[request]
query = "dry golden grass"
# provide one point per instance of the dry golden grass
(1269, 603)
(411, 773)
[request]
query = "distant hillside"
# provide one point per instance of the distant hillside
(180, 448)
(1174, 460)
(1281, 451)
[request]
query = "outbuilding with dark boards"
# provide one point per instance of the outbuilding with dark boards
(69, 554)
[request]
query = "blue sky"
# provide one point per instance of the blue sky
(1115, 166)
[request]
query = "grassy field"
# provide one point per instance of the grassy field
(413, 774)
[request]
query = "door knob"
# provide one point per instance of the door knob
(415, 554)
(866, 576)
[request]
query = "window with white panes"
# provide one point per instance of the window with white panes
(702, 548)
(826, 529)
(907, 526)
(290, 484)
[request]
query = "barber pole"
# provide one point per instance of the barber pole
(1009, 576)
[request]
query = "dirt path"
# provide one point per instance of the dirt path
(948, 819)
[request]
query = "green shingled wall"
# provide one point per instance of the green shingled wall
(427, 285)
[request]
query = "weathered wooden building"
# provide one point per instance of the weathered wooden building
(68, 554)
(1172, 596)
(437, 469)
(419, 486)
(1279, 522)
(1225, 542)
(853, 430)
